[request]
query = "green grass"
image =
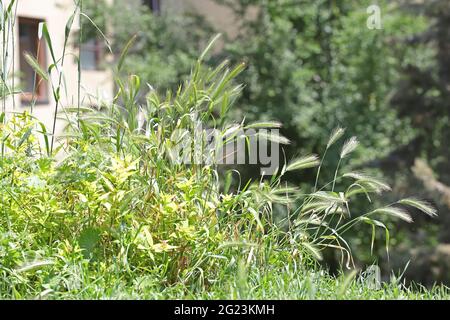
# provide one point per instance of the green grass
(283, 282)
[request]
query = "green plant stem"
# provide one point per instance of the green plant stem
(335, 174)
(318, 169)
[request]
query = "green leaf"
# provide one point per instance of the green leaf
(257, 219)
(124, 53)
(208, 47)
(45, 135)
(47, 38)
(88, 239)
(25, 137)
(34, 266)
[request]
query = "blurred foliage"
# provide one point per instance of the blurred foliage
(315, 64)
(165, 46)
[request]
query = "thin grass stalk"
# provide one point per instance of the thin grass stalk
(33, 96)
(4, 53)
(10, 31)
(318, 169)
(335, 174)
(13, 71)
(57, 97)
(10, 37)
(3, 111)
(80, 40)
(6, 30)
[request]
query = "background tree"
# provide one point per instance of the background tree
(316, 65)
(166, 42)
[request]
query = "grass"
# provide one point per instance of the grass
(284, 282)
(103, 211)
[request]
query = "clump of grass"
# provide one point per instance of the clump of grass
(323, 217)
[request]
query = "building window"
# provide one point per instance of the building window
(32, 85)
(154, 5)
(91, 54)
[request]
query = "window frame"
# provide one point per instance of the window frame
(97, 48)
(154, 5)
(40, 90)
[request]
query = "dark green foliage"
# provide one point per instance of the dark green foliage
(165, 44)
(314, 65)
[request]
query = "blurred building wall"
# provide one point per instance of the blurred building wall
(220, 16)
(94, 83)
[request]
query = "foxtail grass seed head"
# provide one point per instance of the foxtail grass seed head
(263, 125)
(310, 161)
(365, 179)
(335, 136)
(421, 205)
(349, 146)
(394, 212)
